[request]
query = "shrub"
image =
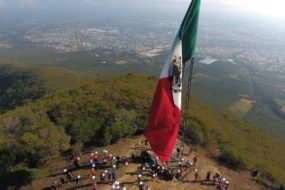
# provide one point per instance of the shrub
(196, 136)
(196, 131)
(282, 187)
(232, 159)
(15, 179)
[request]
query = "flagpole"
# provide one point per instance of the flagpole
(187, 102)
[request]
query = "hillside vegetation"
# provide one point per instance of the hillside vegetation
(18, 87)
(242, 145)
(101, 111)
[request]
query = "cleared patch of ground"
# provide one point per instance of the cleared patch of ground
(128, 174)
(5, 46)
(151, 53)
(121, 62)
(242, 107)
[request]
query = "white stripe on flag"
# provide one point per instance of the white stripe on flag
(173, 68)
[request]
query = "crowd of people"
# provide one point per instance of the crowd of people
(168, 171)
(103, 170)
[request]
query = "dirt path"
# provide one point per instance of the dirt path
(128, 174)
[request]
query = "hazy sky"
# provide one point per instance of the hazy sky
(268, 8)
(272, 8)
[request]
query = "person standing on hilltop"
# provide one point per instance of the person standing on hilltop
(91, 159)
(118, 160)
(196, 175)
(141, 185)
(94, 185)
(96, 157)
(69, 176)
(76, 163)
(109, 175)
(142, 169)
(102, 177)
(178, 152)
(208, 177)
(124, 187)
(154, 175)
(77, 180)
(179, 173)
(139, 176)
(221, 183)
(195, 160)
(114, 176)
(93, 171)
(216, 177)
(189, 163)
(255, 174)
(62, 182)
(227, 185)
(54, 185)
(116, 185)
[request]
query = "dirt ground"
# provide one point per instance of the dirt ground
(128, 174)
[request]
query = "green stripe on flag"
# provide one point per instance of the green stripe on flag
(188, 30)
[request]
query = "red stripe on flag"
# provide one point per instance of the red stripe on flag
(164, 120)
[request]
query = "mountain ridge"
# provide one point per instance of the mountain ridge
(111, 108)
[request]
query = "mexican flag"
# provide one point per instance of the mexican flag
(165, 112)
